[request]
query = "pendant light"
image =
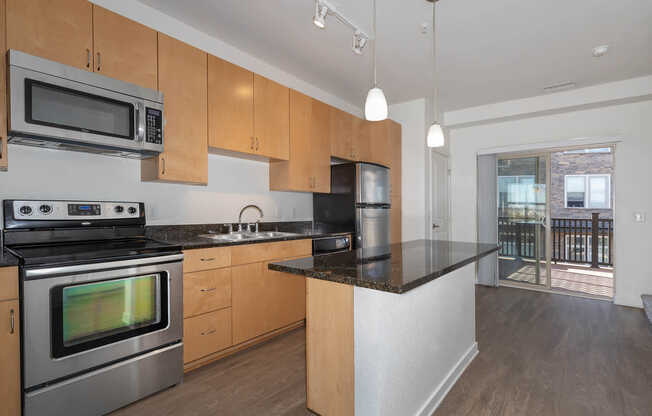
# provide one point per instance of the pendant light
(435, 136)
(375, 107)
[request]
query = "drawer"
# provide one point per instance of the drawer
(8, 283)
(206, 334)
(253, 253)
(206, 291)
(206, 259)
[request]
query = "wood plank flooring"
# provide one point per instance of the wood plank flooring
(545, 354)
(540, 354)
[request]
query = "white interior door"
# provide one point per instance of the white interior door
(439, 201)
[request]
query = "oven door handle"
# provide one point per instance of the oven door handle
(52, 271)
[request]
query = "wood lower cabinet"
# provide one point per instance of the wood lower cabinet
(206, 334)
(9, 343)
(182, 78)
(308, 170)
(124, 49)
(60, 31)
(238, 302)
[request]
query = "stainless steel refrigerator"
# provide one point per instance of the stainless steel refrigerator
(359, 203)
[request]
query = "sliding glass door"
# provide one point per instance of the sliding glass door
(523, 231)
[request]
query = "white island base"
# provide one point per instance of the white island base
(371, 352)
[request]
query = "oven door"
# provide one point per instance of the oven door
(78, 318)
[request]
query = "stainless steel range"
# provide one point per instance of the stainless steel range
(101, 306)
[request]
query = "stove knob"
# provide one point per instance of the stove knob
(119, 209)
(132, 210)
(45, 209)
(25, 210)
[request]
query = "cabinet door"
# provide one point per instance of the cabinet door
(251, 294)
(395, 141)
(288, 296)
(361, 140)
(206, 291)
(271, 118)
(9, 358)
(124, 49)
(61, 30)
(206, 334)
(182, 78)
(4, 162)
(230, 106)
(341, 134)
(320, 161)
(380, 150)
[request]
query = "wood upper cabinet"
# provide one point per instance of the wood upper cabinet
(361, 140)
(230, 106)
(124, 49)
(271, 118)
(4, 161)
(396, 221)
(60, 30)
(341, 134)
(308, 169)
(9, 342)
(248, 113)
(182, 79)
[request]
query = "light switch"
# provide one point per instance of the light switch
(639, 217)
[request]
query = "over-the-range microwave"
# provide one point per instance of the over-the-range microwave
(58, 106)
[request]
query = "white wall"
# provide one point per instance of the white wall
(232, 183)
(411, 115)
(631, 122)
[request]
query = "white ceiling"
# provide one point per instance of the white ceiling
(489, 51)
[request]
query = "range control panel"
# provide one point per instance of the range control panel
(154, 125)
(74, 210)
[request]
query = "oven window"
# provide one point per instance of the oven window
(89, 315)
(56, 106)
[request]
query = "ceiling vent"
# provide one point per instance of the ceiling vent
(559, 86)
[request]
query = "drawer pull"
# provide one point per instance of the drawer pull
(212, 331)
(12, 319)
(209, 289)
(208, 259)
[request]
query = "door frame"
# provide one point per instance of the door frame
(430, 197)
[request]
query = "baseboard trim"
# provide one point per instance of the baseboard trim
(444, 387)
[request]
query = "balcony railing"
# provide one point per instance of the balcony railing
(572, 239)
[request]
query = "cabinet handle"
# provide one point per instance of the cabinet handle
(252, 143)
(209, 289)
(88, 58)
(256, 143)
(12, 319)
(208, 259)
(212, 331)
(162, 166)
(99, 62)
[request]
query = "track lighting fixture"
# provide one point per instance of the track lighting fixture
(321, 11)
(359, 42)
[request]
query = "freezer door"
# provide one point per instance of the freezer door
(372, 185)
(372, 227)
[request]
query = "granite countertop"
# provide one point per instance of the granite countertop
(396, 268)
(7, 259)
(187, 236)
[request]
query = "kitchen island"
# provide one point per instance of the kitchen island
(389, 329)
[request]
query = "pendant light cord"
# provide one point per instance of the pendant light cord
(434, 63)
(375, 39)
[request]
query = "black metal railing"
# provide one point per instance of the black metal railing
(574, 240)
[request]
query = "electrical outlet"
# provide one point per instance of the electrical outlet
(639, 217)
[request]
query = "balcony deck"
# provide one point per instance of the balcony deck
(571, 277)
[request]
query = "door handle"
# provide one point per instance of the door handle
(209, 289)
(435, 226)
(256, 143)
(99, 62)
(12, 320)
(162, 166)
(251, 146)
(88, 58)
(208, 259)
(140, 135)
(212, 331)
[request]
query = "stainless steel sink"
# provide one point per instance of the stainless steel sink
(247, 236)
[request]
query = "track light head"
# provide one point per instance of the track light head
(321, 10)
(359, 42)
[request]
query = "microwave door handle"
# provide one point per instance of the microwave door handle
(140, 122)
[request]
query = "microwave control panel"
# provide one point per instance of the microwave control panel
(153, 126)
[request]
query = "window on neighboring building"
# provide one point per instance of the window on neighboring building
(588, 191)
(593, 150)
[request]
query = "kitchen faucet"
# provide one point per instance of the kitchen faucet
(260, 211)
